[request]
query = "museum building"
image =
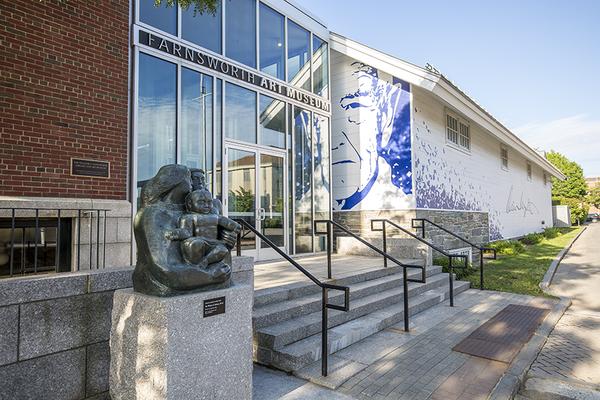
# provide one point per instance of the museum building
(290, 122)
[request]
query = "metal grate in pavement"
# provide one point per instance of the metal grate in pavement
(501, 337)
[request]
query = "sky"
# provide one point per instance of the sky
(533, 64)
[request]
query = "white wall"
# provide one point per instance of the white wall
(446, 178)
(371, 156)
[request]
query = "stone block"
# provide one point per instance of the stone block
(9, 324)
(57, 376)
(123, 230)
(110, 279)
(27, 289)
(164, 348)
(56, 325)
(98, 363)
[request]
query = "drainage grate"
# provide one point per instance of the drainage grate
(503, 335)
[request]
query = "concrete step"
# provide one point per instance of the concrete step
(295, 290)
(286, 332)
(274, 313)
(294, 356)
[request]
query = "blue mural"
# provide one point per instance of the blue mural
(437, 181)
(387, 109)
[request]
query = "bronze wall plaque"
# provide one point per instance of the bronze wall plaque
(214, 306)
(90, 168)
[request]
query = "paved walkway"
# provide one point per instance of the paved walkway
(415, 365)
(572, 352)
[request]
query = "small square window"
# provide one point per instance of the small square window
(504, 157)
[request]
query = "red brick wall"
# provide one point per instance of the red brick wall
(63, 94)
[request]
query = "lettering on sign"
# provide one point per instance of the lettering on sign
(90, 168)
(214, 306)
(234, 71)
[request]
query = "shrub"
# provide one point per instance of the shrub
(551, 233)
(458, 270)
(532, 238)
(507, 247)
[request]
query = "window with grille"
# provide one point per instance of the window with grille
(465, 136)
(504, 157)
(451, 129)
(529, 172)
(458, 133)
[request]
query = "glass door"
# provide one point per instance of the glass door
(255, 183)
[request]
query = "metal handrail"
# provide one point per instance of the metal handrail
(405, 279)
(422, 240)
(323, 285)
(482, 249)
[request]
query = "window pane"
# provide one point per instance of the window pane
(321, 174)
(298, 55)
(241, 31)
(157, 105)
(196, 121)
(303, 189)
(320, 67)
(161, 17)
(240, 113)
(202, 29)
(272, 122)
(271, 42)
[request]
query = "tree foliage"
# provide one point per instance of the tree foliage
(574, 186)
(579, 209)
(593, 197)
(200, 6)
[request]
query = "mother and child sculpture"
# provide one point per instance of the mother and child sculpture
(183, 242)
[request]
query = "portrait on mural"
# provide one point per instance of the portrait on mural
(373, 147)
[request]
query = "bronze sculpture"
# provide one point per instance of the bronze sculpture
(180, 251)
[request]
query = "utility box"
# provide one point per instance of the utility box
(561, 216)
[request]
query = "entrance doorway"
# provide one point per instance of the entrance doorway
(256, 193)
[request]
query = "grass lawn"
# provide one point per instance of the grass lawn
(522, 273)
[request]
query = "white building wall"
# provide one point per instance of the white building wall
(450, 179)
(371, 153)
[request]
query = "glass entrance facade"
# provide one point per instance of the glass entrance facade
(265, 152)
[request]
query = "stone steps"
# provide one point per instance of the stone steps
(287, 318)
(296, 290)
(286, 332)
(276, 312)
(293, 356)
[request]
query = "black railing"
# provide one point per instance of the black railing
(405, 279)
(42, 221)
(323, 285)
(383, 230)
(482, 249)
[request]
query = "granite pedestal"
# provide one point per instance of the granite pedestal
(169, 348)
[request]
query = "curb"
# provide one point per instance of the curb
(514, 377)
(549, 275)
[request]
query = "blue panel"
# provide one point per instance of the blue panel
(161, 17)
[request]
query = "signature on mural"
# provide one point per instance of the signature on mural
(384, 133)
(520, 205)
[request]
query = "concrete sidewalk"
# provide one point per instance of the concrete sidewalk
(571, 356)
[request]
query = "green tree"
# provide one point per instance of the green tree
(200, 6)
(593, 197)
(574, 187)
(579, 210)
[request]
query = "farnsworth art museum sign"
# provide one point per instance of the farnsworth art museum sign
(180, 51)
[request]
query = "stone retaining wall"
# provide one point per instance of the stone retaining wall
(54, 332)
(472, 225)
